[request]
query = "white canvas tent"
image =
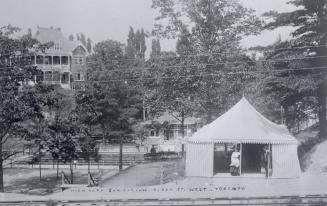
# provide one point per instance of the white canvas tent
(242, 124)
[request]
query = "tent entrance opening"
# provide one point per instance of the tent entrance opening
(222, 157)
(252, 157)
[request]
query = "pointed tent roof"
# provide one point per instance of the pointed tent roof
(243, 123)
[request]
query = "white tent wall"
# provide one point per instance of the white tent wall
(285, 162)
(199, 159)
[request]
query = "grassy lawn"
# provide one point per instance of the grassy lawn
(27, 180)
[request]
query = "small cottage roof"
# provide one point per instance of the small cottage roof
(172, 118)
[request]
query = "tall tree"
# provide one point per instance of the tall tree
(130, 49)
(310, 23)
(155, 48)
(143, 44)
(19, 101)
(109, 102)
(136, 44)
(89, 45)
(71, 37)
(216, 28)
(61, 142)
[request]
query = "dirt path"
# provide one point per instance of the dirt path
(148, 174)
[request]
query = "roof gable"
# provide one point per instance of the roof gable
(46, 35)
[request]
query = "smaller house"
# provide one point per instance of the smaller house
(166, 134)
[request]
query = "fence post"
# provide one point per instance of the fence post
(62, 178)
(88, 179)
(161, 175)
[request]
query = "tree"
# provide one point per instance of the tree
(109, 102)
(71, 37)
(83, 39)
(142, 44)
(136, 45)
(87, 42)
(29, 32)
(306, 88)
(61, 143)
(88, 146)
(214, 29)
(19, 101)
(89, 45)
(130, 49)
(155, 48)
(59, 125)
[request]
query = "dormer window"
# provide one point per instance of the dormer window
(57, 46)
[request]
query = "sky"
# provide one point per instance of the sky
(110, 19)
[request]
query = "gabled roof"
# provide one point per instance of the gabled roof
(46, 35)
(171, 119)
(243, 123)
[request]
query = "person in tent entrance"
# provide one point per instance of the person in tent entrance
(265, 160)
(235, 162)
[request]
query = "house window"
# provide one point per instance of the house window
(64, 78)
(48, 76)
(39, 76)
(152, 133)
(48, 60)
(78, 60)
(56, 60)
(79, 76)
(56, 76)
(64, 60)
(39, 59)
(33, 59)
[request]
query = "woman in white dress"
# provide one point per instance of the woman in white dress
(235, 163)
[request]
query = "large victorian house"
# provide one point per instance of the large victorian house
(64, 63)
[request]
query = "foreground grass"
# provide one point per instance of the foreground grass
(27, 181)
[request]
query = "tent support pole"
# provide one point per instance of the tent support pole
(269, 161)
(241, 159)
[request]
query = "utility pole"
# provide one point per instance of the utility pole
(40, 167)
(143, 104)
(121, 154)
(281, 115)
(161, 175)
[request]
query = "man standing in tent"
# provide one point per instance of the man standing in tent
(265, 160)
